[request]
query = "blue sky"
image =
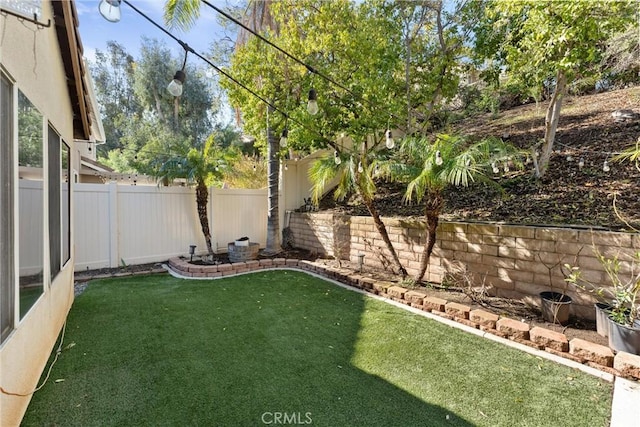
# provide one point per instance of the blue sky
(95, 31)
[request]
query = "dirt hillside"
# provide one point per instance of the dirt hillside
(567, 194)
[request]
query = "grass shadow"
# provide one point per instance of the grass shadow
(254, 349)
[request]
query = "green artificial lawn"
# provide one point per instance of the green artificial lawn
(284, 346)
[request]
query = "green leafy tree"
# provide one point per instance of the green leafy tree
(429, 167)
(550, 42)
(113, 74)
(182, 13)
(200, 167)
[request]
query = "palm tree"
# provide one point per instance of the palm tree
(353, 175)
(429, 167)
(258, 17)
(200, 167)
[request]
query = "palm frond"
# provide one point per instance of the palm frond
(181, 14)
(321, 172)
(632, 154)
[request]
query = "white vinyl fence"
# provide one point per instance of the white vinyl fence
(139, 224)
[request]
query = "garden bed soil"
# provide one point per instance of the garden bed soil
(567, 194)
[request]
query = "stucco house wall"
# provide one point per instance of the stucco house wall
(40, 62)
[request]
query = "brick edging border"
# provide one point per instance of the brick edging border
(581, 351)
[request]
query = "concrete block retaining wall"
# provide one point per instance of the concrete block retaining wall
(511, 261)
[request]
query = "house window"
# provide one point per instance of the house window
(31, 203)
(7, 284)
(55, 230)
(65, 199)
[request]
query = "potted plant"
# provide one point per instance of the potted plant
(555, 306)
(619, 302)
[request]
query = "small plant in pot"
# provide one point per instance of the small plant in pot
(619, 301)
(555, 306)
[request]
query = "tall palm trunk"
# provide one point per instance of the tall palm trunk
(385, 236)
(431, 215)
(273, 172)
(202, 199)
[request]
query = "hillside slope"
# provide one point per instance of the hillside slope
(567, 195)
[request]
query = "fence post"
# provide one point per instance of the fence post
(114, 232)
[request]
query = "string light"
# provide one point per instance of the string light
(494, 167)
(439, 160)
(284, 139)
(336, 157)
(389, 142)
(312, 105)
(229, 76)
(110, 10)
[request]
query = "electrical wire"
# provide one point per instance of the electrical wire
(188, 48)
(55, 359)
(310, 68)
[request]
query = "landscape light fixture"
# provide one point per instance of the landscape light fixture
(110, 10)
(312, 105)
(606, 167)
(284, 138)
(192, 251)
(389, 142)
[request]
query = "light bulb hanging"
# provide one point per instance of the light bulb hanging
(336, 157)
(439, 160)
(284, 138)
(175, 86)
(389, 142)
(110, 10)
(312, 105)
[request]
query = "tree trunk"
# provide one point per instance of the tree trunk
(431, 215)
(407, 79)
(551, 122)
(273, 182)
(202, 199)
(385, 236)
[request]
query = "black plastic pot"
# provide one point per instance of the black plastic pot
(555, 307)
(624, 338)
(602, 318)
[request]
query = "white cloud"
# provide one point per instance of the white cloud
(86, 7)
(90, 54)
